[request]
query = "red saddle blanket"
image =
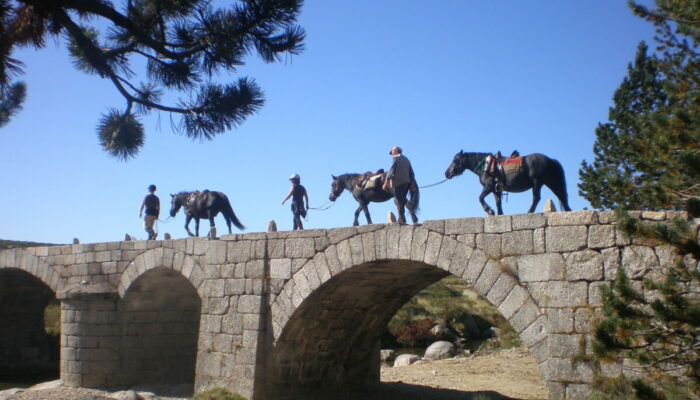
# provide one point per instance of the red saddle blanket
(511, 165)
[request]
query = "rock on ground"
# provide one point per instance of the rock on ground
(439, 350)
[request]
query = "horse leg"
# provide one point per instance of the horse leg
(196, 226)
(356, 222)
(401, 209)
(497, 196)
(485, 206)
(365, 208)
(536, 189)
(187, 225)
(228, 224)
(560, 192)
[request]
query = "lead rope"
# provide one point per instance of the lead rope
(434, 184)
(324, 206)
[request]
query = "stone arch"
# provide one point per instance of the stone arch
(27, 286)
(159, 312)
(33, 265)
(161, 257)
(158, 319)
(373, 274)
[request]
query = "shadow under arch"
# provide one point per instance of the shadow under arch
(27, 352)
(159, 316)
(326, 326)
(331, 339)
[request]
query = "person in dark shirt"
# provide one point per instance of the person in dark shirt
(298, 195)
(152, 205)
(401, 178)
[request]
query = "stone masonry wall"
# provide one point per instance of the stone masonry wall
(285, 311)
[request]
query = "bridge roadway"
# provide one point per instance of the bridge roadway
(270, 315)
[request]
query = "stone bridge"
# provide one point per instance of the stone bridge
(274, 315)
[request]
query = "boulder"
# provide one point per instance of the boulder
(442, 332)
(440, 350)
(125, 395)
(387, 355)
(405, 359)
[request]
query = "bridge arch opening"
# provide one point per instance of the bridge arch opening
(159, 322)
(331, 339)
(29, 352)
(330, 342)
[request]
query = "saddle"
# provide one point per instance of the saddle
(194, 197)
(499, 167)
(505, 165)
(371, 180)
(512, 164)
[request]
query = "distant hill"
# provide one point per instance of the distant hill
(11, 244)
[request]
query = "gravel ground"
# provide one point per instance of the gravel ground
(507, 374)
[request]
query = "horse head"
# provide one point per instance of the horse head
(457, 166)
(336, 188)
(177, 201)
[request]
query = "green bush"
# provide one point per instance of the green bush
(217, 394)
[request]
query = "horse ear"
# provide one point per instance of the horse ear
(334, 177)
(461, 152)
(172, 195)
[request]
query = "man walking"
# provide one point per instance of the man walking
(400, 177)
(298, 194)
(152, 205)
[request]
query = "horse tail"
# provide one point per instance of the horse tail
(414, 197)
(557, 184)
(228, 213)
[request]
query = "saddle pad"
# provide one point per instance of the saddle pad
(512, 165)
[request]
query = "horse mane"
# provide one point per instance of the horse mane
(346, 177)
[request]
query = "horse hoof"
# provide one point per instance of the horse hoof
(490, 212)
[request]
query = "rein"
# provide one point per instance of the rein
(479, 167)
(433, 184)
(323, 206)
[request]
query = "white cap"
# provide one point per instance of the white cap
(294, 176)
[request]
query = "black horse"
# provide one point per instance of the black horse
(374, 194)
(204, 204)
(536, 170)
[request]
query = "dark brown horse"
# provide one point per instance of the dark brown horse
(537, 170)
(374, 194)
(204, 204)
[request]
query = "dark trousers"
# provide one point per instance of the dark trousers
(400, 193)
(299, 211)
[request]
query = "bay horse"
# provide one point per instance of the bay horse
(536, 170)
(204, 204)
(364, 196)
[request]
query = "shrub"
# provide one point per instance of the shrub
(415, 334)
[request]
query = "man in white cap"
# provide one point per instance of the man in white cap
(298, 194)
(400, 177)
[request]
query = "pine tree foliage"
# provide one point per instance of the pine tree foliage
(648, 155)
(182, 44)
(656, 324)
(11, 100)
(613, 179)
(655, 149)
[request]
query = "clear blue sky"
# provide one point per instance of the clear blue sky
(432, 77)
